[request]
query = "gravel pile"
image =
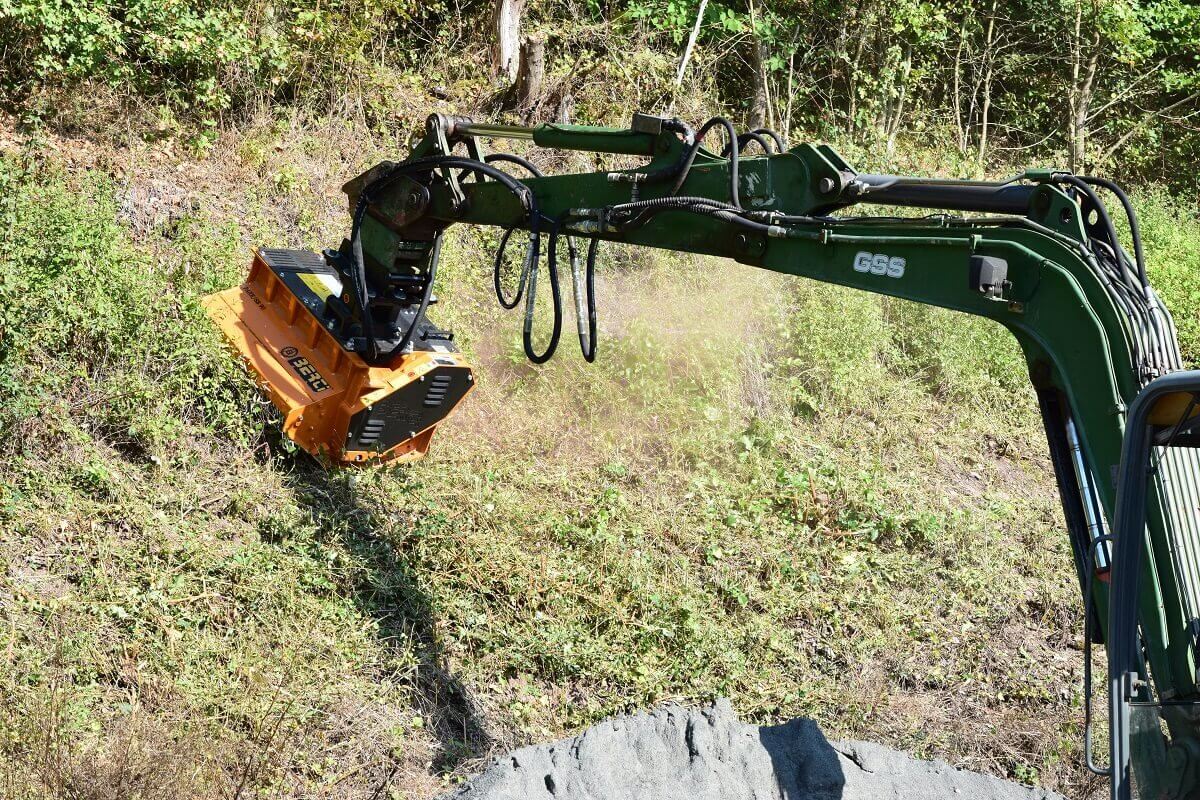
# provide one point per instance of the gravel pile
(676, 753)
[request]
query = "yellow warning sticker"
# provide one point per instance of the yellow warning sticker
(318, 283)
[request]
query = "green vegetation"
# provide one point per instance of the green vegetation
(824, 503)
(1106, 85)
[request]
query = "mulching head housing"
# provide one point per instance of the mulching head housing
(285, 322)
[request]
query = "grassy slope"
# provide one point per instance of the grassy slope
(811, 501)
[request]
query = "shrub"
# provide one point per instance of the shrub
(200, 56)
(92, 332)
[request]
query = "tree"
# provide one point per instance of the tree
(506, 45)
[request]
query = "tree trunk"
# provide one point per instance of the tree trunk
(691, 44)
(1083, 106)
(786, 121)
(961, 124)
(530, 76)
(758, 99)
(989, 62)
(506, 25)
(896, 108)
(566, 107)
(852, 85)
(1079, 94)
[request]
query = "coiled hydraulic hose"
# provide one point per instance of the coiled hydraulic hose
(583, 289)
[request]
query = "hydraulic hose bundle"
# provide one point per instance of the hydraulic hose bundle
(358, 281)
(1156, 349)
(585, 301)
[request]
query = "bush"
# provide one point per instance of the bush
(199, 56)
(92, 333)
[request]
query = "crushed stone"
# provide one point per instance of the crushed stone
(678, 753)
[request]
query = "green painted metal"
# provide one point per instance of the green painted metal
(595, 140)
(1074, 338)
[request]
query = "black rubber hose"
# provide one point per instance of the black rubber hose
(722, 212)
(572, 250)
(744, 139)
(588, 348)
(669, 172)
(680, 169)
(649, 208)
(497, 265)
(1098, 204)
(780, 144)
(429, 163)
(731, 217)
(365, 197)
(524, 163)
(556, 300)
(359, 276)
(1134, 230)
(731, 136)
(428, 293)
(682, 128)
(498, 261)
(643, 210)
(673, 200)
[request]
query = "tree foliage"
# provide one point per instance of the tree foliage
(202, 56)
(1098, 84)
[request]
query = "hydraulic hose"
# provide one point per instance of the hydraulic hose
(1154, 351)
(530, 249)
(366, 197)
(497, 265)
(1134, 229)
(556, 302)
(731, 136)
(435, 255)
(585, 303)
(511, 158)
(587, 334)
(780, 144)
(1098, 204)
(744, 139)
(680, 169)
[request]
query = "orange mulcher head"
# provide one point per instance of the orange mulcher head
(333, 402)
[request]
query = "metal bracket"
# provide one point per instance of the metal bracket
(438, 126)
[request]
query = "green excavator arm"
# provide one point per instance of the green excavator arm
(1037, 253)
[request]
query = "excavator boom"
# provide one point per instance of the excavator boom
(1038, 254)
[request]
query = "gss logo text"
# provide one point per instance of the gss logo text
(879, 264)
